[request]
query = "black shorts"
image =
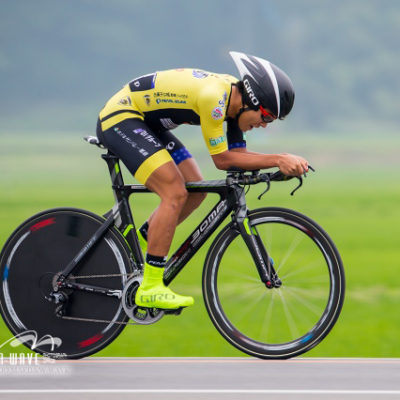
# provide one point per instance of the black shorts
(141, 149)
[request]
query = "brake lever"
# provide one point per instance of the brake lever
(300, 178)
(268, 182)
(299, 185)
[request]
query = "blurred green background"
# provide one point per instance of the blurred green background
(60, 61)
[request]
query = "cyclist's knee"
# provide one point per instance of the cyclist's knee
(173, 202)
(173, 193)
(169, 184)
(176, 195)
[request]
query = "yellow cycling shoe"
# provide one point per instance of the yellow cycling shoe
(152, 293)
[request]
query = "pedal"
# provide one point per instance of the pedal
(176, 311)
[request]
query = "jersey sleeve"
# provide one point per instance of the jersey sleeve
(236, 138)
(212, 104)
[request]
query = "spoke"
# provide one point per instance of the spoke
(238, 291)
(256, 300)
(289, 318)
(300, 270)
(265, 327)
(320, 279)
(250, 305)
(317, 294)
(244, 276)
(291, 248)
(306, 303)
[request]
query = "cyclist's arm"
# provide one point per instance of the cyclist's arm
(289, 164)
(244, 150)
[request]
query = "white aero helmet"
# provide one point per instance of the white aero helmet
(266, 87)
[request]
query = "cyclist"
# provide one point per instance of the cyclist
(135, 125)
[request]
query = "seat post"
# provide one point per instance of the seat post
(113, 168)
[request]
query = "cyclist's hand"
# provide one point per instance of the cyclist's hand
(292, 165)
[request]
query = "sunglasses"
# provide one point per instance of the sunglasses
(266, 116)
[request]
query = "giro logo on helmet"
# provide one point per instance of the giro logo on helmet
(264, 84)
(250, 92)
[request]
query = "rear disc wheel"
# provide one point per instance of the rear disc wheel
(30, 263)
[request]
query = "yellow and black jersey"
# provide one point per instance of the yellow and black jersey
(167, 99)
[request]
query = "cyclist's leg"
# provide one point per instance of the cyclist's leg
(168, 183)
(191, 173)
(147, 159)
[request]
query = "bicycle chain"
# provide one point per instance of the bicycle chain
(101, 276)
(130, 275)
(99, 320)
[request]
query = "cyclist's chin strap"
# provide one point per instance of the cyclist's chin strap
(243, 108)
(241, 111)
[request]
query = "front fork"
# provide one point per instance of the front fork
(254, 243)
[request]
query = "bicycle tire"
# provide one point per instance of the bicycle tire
(283, 322)
(31, 259)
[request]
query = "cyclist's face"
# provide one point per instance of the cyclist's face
(250, 119)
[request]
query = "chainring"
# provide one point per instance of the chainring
(141, 315)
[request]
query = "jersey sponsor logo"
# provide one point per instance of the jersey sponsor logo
(125, 101)
(147, 99)
(176, 101)
(222, 102)
(167, 123)
(147, 136)
(250, 92)
(216, 141)
(129, 141)
(143, 152)
(199, 74)
(170, 94)
(217, 113)
(170, 146)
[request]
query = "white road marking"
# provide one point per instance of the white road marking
(200, 391)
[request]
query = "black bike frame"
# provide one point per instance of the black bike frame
(232, 201)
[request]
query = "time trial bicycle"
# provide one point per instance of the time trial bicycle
(273, 281)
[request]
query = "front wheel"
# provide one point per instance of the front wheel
(279, 322)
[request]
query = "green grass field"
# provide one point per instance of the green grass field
(354, 196)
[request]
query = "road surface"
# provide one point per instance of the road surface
(199, 378)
